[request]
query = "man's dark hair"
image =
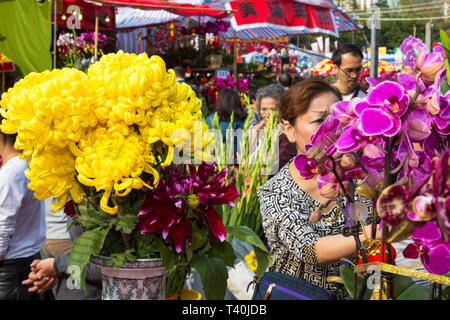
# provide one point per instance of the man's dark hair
(8, 138)
(285, 79)
(346, 48)
(179, 71)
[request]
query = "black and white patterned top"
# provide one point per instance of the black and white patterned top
(285, 210)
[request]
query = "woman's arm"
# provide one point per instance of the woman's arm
(331, 249)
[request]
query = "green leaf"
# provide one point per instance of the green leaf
(96, 218)
(126, 223)
(401, 283)
(445, 295)
(213, 273)
(176, 276)
(444, 84)
(245, 234)
(88, 243)
(119, 258)
(223, 251)
(445, 40)
(168, 257)
(347, 276)
(147, 247)
(415, 292)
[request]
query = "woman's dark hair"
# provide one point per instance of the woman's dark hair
(229, 102)
(346, 48)
(295, 101)
(7, 138)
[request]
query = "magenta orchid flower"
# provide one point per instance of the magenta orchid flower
(345, 112)
(386, 103)
(411, 47)
(430, 247)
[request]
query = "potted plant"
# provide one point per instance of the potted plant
(103, 144)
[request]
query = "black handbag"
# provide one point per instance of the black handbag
(281, 286)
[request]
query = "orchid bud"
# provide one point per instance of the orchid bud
(429, 65)
(315, 216)
(348, 161)
(329, 190)
(366, 191)
(418, 130)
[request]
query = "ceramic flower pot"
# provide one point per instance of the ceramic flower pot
(143, 279)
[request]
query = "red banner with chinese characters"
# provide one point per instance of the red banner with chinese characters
(285, 15)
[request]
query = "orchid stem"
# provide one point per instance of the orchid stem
(358, 160)
(380, 148)
(341, 184)
(399, 167)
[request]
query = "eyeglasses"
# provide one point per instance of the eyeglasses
(351, 71)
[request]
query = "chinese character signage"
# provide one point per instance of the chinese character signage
(286, 15)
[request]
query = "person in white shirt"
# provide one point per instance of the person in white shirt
(57, 238)
(22, 224)
(348, 62)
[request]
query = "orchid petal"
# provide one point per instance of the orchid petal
(385, 91)
(375, 122)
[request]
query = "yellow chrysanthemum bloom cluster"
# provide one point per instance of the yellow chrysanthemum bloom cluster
(251, 261)
(101, 129)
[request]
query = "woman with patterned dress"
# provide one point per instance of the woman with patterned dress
(300, 247)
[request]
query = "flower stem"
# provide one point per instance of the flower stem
(341, 184)
(358, 160)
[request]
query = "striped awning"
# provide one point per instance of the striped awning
(132, 18)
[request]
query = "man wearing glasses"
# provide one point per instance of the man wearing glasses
(348, 62)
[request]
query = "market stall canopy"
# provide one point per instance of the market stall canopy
(128, 17)
(276, 18)
(182, 9)
(341, 21)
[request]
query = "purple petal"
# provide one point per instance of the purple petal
(385, 91)
(437, 260)
(349, 140)
(427, 233)
(375, 122)
(411, 251)
(361, 106)
(305, 166)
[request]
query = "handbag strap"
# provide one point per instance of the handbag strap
(282, 289)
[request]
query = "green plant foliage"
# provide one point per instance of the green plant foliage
(224, 251)
(245, 234)
(88, 243)
(445, 40)
(213, 273)
(119, 258)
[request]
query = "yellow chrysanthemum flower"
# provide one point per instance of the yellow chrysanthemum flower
(48, 109)
(52, 173)
(127, 85)
(251, 261)
(108, 159)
